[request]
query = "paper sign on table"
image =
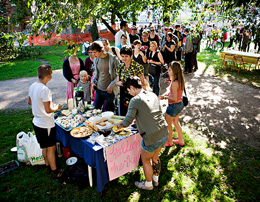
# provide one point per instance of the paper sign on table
(123, 156)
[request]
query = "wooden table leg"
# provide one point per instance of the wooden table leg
(90, 176)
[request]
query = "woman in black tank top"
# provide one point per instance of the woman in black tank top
(138, 55)
(155, 57)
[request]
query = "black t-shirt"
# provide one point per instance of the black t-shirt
(168, 44)
(145, 45)
(167, 55)
(133, 37)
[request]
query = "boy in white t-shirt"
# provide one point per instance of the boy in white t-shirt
(40, 98)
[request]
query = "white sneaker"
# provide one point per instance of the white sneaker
(141, 185)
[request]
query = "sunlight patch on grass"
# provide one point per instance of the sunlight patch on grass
(135, 196)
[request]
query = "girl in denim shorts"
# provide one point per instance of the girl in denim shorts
(175, 102)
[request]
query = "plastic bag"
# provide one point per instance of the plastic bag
(28, 149)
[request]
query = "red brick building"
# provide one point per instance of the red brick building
(10, 17)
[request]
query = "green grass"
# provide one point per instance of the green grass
(27, 67)
(203, 170)
(212, 58)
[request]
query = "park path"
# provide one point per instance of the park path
(231, 108)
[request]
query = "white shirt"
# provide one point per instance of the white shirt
(232, 32)
(40, 93)
(118, 37)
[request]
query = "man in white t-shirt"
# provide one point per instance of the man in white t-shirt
(123, 30)
(232, 34)
(40, 98)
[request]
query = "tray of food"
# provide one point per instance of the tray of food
(98, 123)
(81, 132)
(91, 112)
(69, 122)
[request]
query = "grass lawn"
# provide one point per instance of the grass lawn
(205, 169)
(211, 58)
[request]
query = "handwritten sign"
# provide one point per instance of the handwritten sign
(123, 156)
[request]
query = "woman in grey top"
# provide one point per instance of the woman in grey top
(146, 109)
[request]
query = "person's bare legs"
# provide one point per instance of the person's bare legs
(44, 153)
(51, 157)
(169, 120)
(147, 78)
(148, 169)
(178, 129)
(156, 162)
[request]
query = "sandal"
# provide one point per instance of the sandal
(167, 144)
(177, 142)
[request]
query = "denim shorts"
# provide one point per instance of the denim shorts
(153, 147)
(174, 109)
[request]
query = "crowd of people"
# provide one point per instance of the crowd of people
(117, 79)
(240, 36)
(120, 82)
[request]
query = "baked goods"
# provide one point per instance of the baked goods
(100, 120)
(91, 125)
(81, 132)
(111, 122)
(102, 124)
(65, 112)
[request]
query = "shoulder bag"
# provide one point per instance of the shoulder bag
(185, 99)
(153, 67)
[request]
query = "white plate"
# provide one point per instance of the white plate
(71, 161)
(14, 149)
(96, 118)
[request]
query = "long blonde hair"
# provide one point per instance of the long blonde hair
(177, 73)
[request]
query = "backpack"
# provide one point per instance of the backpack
(76, 174)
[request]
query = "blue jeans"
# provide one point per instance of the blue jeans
(156, 87)
(100, 98)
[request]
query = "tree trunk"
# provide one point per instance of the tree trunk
(108, 26)
(134, 18)
(166, 20)
(120, 16)
(94, 30)
(113, 17)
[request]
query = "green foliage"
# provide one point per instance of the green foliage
(9, 51)
(7, 48)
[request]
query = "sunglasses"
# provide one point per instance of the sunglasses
(152, 30)
(134, 29)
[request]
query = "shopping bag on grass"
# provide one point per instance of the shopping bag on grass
(28, 149)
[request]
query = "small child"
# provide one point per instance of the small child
(40, 98)
(85, 83)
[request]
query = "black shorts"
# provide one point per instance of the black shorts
(43, 138)
(178, 55)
